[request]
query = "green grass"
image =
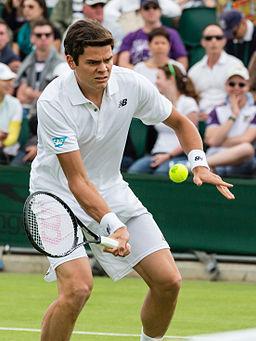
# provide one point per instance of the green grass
(204, 307)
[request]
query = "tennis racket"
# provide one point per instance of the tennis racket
(53, 229)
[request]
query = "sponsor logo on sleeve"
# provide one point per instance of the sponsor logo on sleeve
(59, 141)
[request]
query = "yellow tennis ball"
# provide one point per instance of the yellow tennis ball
(178, 173)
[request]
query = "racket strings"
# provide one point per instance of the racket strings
(50, 225)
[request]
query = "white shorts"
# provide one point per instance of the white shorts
(145, 238)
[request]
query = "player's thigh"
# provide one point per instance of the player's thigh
(159, 269)
(75, 275)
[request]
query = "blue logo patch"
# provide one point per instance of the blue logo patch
(59, 141)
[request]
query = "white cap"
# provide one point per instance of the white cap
(6, 73)
(94, 2)
(238, 71)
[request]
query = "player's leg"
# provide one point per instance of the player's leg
(74, 280)
(163, 279)
(231, 156)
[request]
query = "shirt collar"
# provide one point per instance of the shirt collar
(249, 31)
(75, 94)
(221, 60)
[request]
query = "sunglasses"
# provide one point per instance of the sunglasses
(217, 37)
(148, 7)
(233, 84)
(40, 35)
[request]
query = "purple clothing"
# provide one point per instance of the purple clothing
(137, 44)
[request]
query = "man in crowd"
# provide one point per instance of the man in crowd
(240, 34)
(210, 73)
(134, 47)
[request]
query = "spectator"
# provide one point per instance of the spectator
(33, 10)
(241, 35)
(36, 70)
(159, 47)
(210, 73)
(7, 56)
(13, 16)
(134, 47)
(178, 88)
(10, 116)
(126, 13)
(231, 128)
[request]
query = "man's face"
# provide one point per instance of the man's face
(240, 30)
(4, 37)
(213, 40)
(94, 12)
(42, 37)
(94, 67)
(150, 13)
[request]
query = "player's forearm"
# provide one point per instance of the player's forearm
(89, 198)
(188, 136)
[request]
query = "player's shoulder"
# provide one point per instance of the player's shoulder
(54, 89)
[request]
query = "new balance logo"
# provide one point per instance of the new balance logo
(122, 103)
(198, 158)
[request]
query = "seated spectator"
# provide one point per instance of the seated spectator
(178, 88)
(33, 10)
(7, 56)
(134, 47)
(231, 128)
(10, 116)
(241, 35)
(36, 71)
(127, 15)
(210, 73)
(159, 47)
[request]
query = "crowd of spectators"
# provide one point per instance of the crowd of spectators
(217, 92)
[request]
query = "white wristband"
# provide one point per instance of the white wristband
(196, 157)
(110, 222)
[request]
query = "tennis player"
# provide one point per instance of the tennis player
(83, 121)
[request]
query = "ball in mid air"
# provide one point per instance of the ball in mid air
(178, 173)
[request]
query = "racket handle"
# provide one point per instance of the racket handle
(109, 242)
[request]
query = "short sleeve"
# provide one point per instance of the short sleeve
(55, 129)
(188, 106)
(153, 107)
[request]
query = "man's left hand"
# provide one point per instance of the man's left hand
(204, 175)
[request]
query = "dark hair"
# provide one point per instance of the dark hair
(160, 31)
(184, 83)
(43, 5)
(85, 33)
(42, 22)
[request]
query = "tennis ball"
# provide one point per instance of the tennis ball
(178, 173)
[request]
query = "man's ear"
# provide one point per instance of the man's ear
(71, 62)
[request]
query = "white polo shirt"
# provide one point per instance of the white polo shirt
(67, 121)
(210, 82)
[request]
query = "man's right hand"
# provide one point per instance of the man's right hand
(122, 236)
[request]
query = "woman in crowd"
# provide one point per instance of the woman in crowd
(177, 87)
(159, 48)
(231, 128)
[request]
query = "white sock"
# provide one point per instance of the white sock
(148, 338)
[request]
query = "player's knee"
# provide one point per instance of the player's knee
(78, 294)
(171, 284)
